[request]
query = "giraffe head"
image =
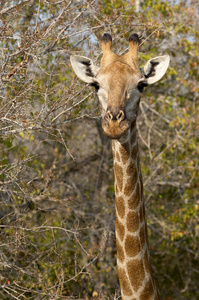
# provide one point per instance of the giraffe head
(119, 83)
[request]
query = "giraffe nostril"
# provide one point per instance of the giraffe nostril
(109, 116)
(120, 116)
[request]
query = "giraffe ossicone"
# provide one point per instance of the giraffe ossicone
(119, 82)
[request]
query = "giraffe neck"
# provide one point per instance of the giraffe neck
(133, 263)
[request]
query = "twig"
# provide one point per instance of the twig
(8, 9)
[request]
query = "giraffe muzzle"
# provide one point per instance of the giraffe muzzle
(115, 124)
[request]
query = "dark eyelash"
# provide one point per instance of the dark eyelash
(96, 86)
(141, 86)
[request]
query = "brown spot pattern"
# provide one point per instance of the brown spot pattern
(125, 152)
(131, 169)
(136, 273)
(120, 206)
(132, 221)
(120, 252)
(142, 236)
(130, 184)
(132, 245)
(119, 229)
(134, 201)
(124, 283)
(136, 268)
(134, 152)
(118, 176)
(148, 292)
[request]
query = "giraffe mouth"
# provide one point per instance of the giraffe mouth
(114, 129)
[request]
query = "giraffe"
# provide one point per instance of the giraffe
(119, 83)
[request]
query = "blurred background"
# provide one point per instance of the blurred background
(57, 206)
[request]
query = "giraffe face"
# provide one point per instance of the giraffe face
(119, 92)
(119, 83)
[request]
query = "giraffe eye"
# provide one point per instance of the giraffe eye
(141, 86)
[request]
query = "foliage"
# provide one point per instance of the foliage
(56, 173)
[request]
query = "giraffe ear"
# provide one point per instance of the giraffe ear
(155, 68)
(84, 68)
